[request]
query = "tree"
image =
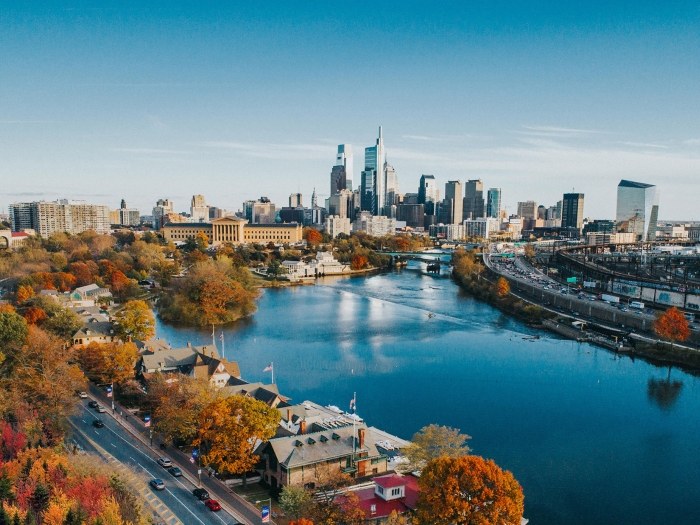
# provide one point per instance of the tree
(120, 285)
(135, 322)
(529, 251)
(176, 405)
(82, 273)
(358, 262)
(24, 293)
(672, 325)
(294, 500)
(108, 362)
(60, 321)
(432, 442)
(164, 271)
(396, 519)
(502, 287)
(274, 268)
(468, 490)
(313, 236)
(13, 329)
(34, 315)
(302, 521)
(229, 429)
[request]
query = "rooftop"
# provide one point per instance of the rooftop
(632, 184)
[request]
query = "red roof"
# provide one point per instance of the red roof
(20, 234)
(390, 481)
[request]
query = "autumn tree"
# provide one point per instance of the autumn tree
(529, 251)
(135, 322)
(24, 293)
(229, 429)
(176, 405)
(672, 325)
(468, 490)
(41, 374)
(502, 287)
(108, 362)
(432, 442)
(358, 262)
(294, 500)
(34, 315)
(301, 521)
(164, 271)
(327, 507)
(313, 236)
(120, 285)
(396, 519)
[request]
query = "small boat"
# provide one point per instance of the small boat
(431, 315)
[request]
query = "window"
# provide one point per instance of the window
(395, 492)
(380, 489)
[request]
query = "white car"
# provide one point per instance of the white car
(82, 395)
(165, 462)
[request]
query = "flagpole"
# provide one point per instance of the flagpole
(213, 335)
(354, 409)
(223, 349)
(272, 369)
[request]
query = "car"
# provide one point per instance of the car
(201, 494)
(82, 395)
(576, 313)
(157, 484)
(213, 505)
(93, 404)
(101, 409)
(175, 471)
(98, 423)
(165, 462)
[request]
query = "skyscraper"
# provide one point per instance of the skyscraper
(199, 211)
(473, 200)
(392, 187)
(451, 210)
(428, 193)
(295, 200)
(637, 209)
(341, 174)
(373, 182)
(572, 211)
(493, 203)
(527, 210)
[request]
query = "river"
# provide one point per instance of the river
(591, 437)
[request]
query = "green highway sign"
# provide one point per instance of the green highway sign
(571, 280)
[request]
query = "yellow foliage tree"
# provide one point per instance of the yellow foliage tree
(108, 362)
(135, 322)
(24, 293)
(502, 287)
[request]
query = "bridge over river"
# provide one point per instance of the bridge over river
(434, 259)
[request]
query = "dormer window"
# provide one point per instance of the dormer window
(311, 441)
(335, 436)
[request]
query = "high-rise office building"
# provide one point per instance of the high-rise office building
(162, 208)
(451, 209)
(263, 212)
(493, 203)
(572, 211)
(314, 201)
(527, 210)
(373, 184)
(637, 209)
(340, 204)
(392, 187)
(341, 174)
(473, 204)
(199, 211)
(428, 194)
(295, 200)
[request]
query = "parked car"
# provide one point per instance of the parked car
(201, 494)
(175, 471)
(82, 395)
(165, 462)
(101, 409)
(98, 423)
(212, 504)
(157, 484)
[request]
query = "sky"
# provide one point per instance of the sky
(146, 100)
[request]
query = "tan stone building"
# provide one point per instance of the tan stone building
(234, 231)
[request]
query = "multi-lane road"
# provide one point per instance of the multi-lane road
(176, 504)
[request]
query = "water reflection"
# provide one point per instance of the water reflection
(664, 392)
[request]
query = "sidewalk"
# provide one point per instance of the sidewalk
(242, 510)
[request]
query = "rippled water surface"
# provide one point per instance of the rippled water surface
(592, 438)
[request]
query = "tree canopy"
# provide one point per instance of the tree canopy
(672, 325)
(432, 442)
(468, 490)
(135, 322)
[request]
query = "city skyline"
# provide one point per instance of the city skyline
(114, 103)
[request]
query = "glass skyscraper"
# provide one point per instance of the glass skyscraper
(493, 203)
(637, 209)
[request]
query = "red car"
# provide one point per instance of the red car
(212, 504)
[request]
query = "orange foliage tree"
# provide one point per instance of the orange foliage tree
(358, 262)
(465, 490)
(502, 287)
(672, 325)
(24, 293)
(302, 521)
(34, 315)
(120, 285)
(81, 272)
(313, 236)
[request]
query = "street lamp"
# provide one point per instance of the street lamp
(150, 432)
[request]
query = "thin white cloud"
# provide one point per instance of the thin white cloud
(557, 129)
(150, 150)
(644, 145)
(277, 151)
(691, 141)
(27, 121)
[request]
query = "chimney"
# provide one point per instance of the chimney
(289, 416)
(361, 437)
(302, 427)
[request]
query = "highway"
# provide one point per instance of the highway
(127, 451)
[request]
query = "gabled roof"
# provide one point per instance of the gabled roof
(390, 481)
(86, 288)
(181, 358)
(96, 329)
(291, 454)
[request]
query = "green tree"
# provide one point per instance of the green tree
(294, 500)
(432, 442)
(275, 269)
(135, 322)
(40, 498)
(13, 329)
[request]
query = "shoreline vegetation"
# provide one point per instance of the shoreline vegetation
(477, 280)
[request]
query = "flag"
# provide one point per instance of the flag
(195, 453)
(265, 514)
(221, 337)
(147, 421)
(268, 369)
(109, 391)
(352, 404)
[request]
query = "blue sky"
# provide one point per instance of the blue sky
(104, 101)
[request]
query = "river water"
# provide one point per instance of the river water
(592, 438)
